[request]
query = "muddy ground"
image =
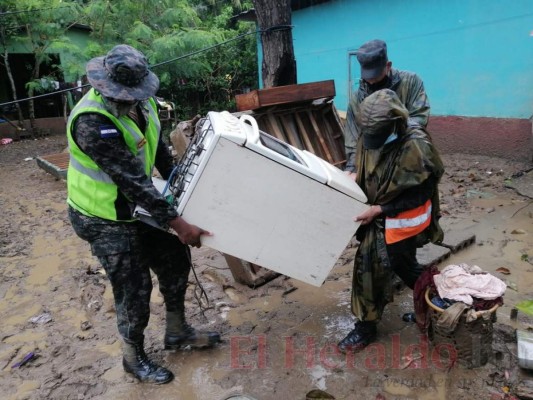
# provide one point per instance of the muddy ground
(56, 303)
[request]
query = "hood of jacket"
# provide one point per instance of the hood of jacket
(381, 114)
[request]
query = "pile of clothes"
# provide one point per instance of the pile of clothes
(457, 289)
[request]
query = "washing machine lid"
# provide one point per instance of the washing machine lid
(244, 131)
(279, 151)
(340, 181)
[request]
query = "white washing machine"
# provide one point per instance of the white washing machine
(265, 201)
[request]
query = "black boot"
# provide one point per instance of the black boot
(136, 362)
(362, 335)
(179, 334)
(409, 317)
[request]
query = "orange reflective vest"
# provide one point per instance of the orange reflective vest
(408, 223)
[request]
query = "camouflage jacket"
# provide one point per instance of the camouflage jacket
(409, 88)
(115, 159)
(386, 176)
(404, 166)
(401, 174)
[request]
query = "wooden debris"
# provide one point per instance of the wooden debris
(284, 94)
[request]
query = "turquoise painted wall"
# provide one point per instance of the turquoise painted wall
(475, 56)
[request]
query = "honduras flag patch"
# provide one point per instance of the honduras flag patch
(109, 131)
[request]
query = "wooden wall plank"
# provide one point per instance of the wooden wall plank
(291, 131)
(284, 95)
(321, 140)
(307, 144)
(276, 129)
(311, 125)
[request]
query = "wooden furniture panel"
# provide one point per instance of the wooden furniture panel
(284, 94)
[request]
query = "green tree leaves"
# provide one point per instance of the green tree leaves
(196, 80)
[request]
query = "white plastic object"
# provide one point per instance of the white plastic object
(253, 136)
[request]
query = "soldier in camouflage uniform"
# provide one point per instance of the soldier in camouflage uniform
(399, 170)
(114, 143)
(377, 73)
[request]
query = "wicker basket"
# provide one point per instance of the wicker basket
(471, 341)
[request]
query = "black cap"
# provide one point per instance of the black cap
(372, 57)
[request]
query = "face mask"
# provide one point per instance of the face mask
(382, 84)
(391, 138)
(119, 109)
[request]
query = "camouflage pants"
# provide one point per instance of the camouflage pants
(373, 271)
(128, 251)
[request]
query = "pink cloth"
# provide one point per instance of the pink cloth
(463, 282)
(5, 141)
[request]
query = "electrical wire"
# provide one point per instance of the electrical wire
(44, 95)
(204, 49)
(199, 286)
(151, 66)
(170, 178)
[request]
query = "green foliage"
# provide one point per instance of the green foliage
(141, 33)
(184, 41)
(41, 27)
(180, 14)
(227, 70)
(173, 35)
(34, 86)
(41, 85)
(210, 80)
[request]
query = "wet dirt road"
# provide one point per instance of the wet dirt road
(279, 338)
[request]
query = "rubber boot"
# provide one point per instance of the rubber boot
(137, 363)
(364, 333)
(409, 317)
(179, 334)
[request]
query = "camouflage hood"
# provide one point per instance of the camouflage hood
(122, 74)
(381, 114)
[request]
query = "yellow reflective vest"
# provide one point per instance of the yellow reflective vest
(90, 190)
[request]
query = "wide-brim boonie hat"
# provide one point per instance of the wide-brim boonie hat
(122, 74)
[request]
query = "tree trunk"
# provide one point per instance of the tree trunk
(279, 64)
(31, 112)
(35, 75)
(13, 89)
(7, 66)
